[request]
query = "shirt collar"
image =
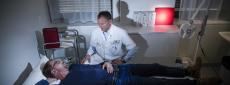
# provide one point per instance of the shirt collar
(109, 31)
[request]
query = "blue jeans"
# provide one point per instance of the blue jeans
(127, 74)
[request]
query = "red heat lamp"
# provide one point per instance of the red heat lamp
(164, 16)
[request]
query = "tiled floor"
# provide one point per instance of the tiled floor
(210, 74)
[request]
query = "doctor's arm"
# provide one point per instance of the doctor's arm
(90, 52)
(130, 54)
(130, 46)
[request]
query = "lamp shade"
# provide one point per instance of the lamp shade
(164, 16)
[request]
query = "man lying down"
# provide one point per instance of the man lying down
(108, 74)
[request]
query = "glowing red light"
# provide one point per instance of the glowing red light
(164, 16)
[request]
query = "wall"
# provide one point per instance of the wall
(156, 47)
(19, 21)
(142, 5)
(146, 5)
(225, 12)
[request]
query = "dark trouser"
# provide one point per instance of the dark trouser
(137, 80)
(141, 74)
(127, 74)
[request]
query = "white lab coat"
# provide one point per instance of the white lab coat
(107, 46)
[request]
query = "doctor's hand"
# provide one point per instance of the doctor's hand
(108, 66)
(87, 57)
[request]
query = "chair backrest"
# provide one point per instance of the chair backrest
(51, 38)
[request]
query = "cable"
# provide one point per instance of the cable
(202, 50)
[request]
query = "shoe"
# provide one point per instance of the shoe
(194, 69)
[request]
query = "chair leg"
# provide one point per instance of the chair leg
(38, 53)
(75, 55)
(46, 53)
(53, 54)
(78, 53)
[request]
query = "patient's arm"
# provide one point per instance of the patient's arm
(86, 58)
(108, 66)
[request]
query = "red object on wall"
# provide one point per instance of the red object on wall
(164, 16)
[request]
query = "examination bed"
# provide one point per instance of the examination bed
(36, 76)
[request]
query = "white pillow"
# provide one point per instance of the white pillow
(36, 75)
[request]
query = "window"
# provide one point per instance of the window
(77, 12)
(188, 8)
(177, 8)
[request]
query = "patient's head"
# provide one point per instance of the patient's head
(55, 68)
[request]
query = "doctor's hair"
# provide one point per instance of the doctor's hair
(105, 14)
(46, 71)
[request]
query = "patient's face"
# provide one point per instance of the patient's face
(60, 65)
(60, 69)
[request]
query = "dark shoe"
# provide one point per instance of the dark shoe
(194, 69)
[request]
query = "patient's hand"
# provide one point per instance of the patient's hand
(108, 66)
(87, 57)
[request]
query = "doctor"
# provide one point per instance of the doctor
(107, 41)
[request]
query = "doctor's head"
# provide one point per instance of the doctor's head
(104, 20)
(55, 68)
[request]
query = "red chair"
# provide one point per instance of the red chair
(52, 41)
(51, 38)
